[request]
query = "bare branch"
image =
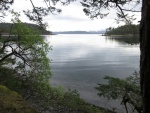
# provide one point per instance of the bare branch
(124, 16)
(130, 10)
(5, 57)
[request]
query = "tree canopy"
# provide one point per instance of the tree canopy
(37, 13)
(100, 8)
(126, 90)
(24, 63)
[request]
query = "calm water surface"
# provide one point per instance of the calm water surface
(81, 61)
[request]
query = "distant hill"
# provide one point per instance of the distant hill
(5, 28)
(80, 32)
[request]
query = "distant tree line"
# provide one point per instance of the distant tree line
(123, 30)
(6, 27)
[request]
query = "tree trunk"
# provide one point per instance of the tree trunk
(145, 55)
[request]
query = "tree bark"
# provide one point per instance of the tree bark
(145, 55)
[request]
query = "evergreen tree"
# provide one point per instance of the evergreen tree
(124, 30)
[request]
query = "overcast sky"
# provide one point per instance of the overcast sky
(72, 17)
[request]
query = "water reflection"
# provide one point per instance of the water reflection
(81, 61)
(131, 40)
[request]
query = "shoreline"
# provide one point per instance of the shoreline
(121, 35)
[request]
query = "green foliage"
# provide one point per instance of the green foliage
(70, 102)
(128, 29)
(24, 66)
(128, 91)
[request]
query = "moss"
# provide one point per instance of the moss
(12, 102)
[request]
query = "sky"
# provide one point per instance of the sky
(72, 17)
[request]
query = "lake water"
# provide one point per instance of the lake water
(81, 61)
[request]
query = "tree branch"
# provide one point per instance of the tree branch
(5, 57)
(123, 14)
(130, 10)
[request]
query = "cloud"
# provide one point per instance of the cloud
(65, 17)
(72, 17)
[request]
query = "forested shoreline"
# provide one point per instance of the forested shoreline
(129, 29)
(5, 28)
